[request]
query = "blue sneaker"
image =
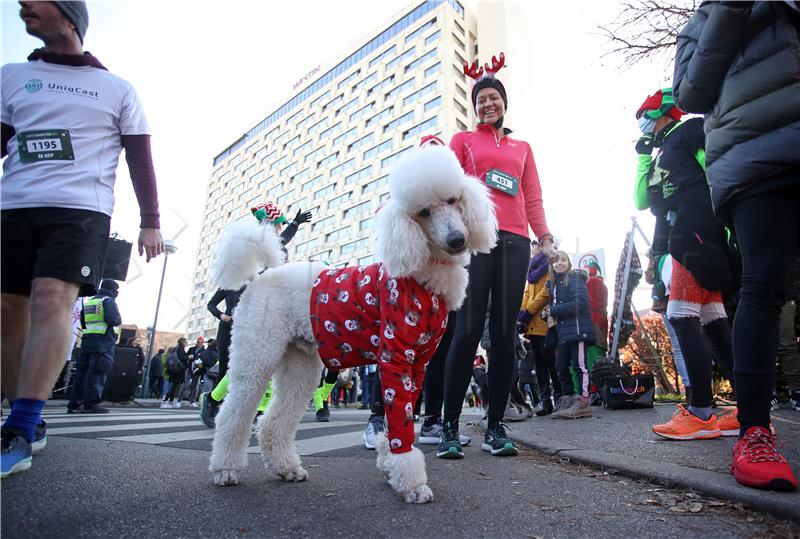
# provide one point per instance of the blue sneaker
(16, 453)
(41, 438)
(450, 446)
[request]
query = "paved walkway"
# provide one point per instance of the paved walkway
(621, 441)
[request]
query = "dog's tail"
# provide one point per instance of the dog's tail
(243, 250)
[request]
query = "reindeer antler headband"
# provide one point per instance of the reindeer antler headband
(485, 77)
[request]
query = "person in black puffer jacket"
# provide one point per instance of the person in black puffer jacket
(739, 64)
(569, 305)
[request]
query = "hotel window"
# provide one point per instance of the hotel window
(364, 82)
(398, 89)
(381, 115)
(386, 161)
(460, 107)
(375, 184)
(341, 138)
(407, 54)
(333, 102)
(425, 90)
(281, 201)
(306, 246)
(435, 68)
(338, 201)
(356, 176)
(407, 117)
(357, 245)
(413, 35)
(316, 100)
(366, 224)
(296, 205)
(375, 150)
(315, 154)
(367, 139)
(432, 104)
(420, 129)
(313, 183)
(366, 260)
(323, 224)
(342, 233)
(300, 176)
(381, 85)
(358, 209)
(348, 78)
(302, 148)
(433, 37)
(325, 191)
(385, 54)
(362, 111)
(421, 60)
(460, 43)
(330, 131)
(328, 160)
(350, 105)
(273, 192)
(347, 165)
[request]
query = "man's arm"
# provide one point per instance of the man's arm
(215, 300)
(7, 132)
(140, 164)
(111, 314)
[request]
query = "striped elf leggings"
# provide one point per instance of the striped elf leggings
(573, 355)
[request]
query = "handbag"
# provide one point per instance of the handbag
(625, 392)
(118, 257)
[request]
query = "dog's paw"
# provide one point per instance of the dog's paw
(421, 494)
(225, 478)
(295, 474)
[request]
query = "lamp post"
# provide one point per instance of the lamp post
(169, 248)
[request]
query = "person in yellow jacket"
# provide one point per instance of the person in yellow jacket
(532, 323)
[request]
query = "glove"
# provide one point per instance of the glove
(524, 317)
(644, 146)
(302, 217)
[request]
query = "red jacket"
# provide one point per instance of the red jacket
(360, 316)
(480, 151)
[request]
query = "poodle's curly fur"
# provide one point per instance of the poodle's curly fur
(435, 213)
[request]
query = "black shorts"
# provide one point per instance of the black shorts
(62, 243)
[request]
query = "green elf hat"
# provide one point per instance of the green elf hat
(269, 213)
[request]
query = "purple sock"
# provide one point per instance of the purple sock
(25, 415)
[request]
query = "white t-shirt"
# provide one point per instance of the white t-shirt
(68, 122)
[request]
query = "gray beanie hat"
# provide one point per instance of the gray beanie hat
(77, 14)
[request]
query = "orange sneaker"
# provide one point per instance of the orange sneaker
(686, 426)
(756, 462)
(728, 422)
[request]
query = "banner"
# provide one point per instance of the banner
(585, 259)
(635, 272)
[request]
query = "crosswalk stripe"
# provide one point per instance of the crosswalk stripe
(320, 444)
(169, 437)
(105, 417)
(110, 428)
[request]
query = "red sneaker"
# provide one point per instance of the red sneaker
(756, 462)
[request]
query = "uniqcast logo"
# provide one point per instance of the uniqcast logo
(33, 86)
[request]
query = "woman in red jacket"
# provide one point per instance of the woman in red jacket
(507, 167)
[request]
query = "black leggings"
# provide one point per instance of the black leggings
(766, 227)
(223, 344)
(434, 372)
(544, 360)
(699, 344)
(500, 273)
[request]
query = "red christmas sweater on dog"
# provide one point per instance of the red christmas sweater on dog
(361, 316)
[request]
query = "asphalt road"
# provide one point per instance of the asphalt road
(143, 474)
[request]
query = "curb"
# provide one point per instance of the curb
(722, 486)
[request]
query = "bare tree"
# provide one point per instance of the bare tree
(647, 29)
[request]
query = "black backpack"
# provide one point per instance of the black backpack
(175, 366)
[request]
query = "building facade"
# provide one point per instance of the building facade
(329, 148)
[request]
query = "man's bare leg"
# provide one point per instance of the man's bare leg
(14, 326)
(49, 337)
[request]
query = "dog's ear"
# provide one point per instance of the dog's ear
(478, 212)
(402, 245)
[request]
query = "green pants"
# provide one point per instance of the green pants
(222, 389)
(592, 354)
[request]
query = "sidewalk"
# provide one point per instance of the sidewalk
(621, 440)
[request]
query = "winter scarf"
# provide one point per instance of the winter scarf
(538, 267)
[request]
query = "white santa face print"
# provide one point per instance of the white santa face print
(410, 355)
(370, 299)
(330, 326)
(342, 277)
(388, 395)
(375, 340)
(343, 296)
(352, 325)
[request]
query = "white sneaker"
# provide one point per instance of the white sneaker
(165, 404)
(177, 404)
(513, 413)
(375, 426)
(193, 404)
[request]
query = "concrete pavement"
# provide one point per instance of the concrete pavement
(621, 441)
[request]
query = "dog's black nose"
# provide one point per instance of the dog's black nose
(456, 240)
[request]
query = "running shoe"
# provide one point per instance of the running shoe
(684, 425)
(757, 463)
(450, 442)
(728, 422)
(432, 434)
(16, 453)
(40, 441)
(497, 442)
(375, 427)
(323, 415)
(794, 400)
(208, 410)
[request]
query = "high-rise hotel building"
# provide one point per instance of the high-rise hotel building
(329, 147)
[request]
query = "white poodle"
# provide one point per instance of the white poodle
(293, 317)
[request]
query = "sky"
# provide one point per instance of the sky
(207, 72)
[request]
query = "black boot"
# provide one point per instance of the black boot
(323, 414)
(545, 407)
